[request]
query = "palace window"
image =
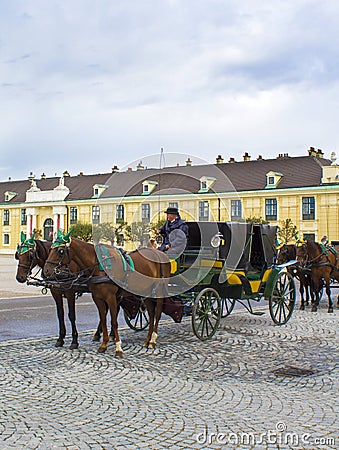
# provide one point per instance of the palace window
(6, 217)
(308, 208)
(204, 211)
(120, 213)
(6, 239)
(23, 220)
(96, 214)
(73, 215)
(146, 212)
(236, 209)
(309, 237)
(271, 209)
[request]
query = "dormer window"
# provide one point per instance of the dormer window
(9, 196)
(98, 189)
(206, 183)
(148, 186)
(273, 179)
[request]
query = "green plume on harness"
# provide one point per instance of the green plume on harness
(26, 244)
(62, 239)
(277, 244)
(299, 242)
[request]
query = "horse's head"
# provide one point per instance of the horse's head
(286, 253)
(26, 255)
(282, 254)
(59, 257)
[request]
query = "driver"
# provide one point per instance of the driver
(174, 232)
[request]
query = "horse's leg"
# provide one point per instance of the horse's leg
(102, 309)
(151, 312)
(71, 315)
(328, 292)
(301, 290)
(307, 283)
(97, 334)
(316, 287)
(158, 311)
(111, 334)
(113, 309)
(57, 296)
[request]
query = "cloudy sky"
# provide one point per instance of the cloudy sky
(85, 85)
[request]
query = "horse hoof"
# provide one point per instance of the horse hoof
(59, 343)
(151, 345)
(302, 308)
(119, 354)
(102, 349)
(96, 338)
(73, 346)
(314, 309)
(330, 310)
(145, 344)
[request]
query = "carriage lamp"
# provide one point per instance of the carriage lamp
(217, 240)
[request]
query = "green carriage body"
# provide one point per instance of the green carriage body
(240, 269)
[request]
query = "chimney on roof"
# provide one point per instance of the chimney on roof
(279, 156)
(115, 169)
(43, 176)
(246, 157)
(140, 166)
(231, 160)
(259, 157)
(81, 174)
(286, 155)
(312, 152)
(188, 162)
(65, 174)
(219, 159)
(31, 176)
(320, 153)
(129, 169)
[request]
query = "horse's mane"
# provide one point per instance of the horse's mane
(42, 249)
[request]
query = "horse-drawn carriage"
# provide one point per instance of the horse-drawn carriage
(223, 263)
(229, 262)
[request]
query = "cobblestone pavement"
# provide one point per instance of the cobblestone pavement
(254, 385)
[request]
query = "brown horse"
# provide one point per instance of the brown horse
(149, 279)
(324, 267)
(289, 252)
(32, 253)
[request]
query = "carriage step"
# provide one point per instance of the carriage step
(257, 313)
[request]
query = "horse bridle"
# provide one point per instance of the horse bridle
(62, 250)
(32, 256)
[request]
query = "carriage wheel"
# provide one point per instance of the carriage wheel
(206, 313)
(282, 299)
(227, 305)
(140, 321)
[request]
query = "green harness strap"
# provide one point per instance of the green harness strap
(104, 258)
(126, 260)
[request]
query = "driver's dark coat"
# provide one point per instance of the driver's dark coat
(176, 242)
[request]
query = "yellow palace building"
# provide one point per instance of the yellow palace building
(304, 189)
